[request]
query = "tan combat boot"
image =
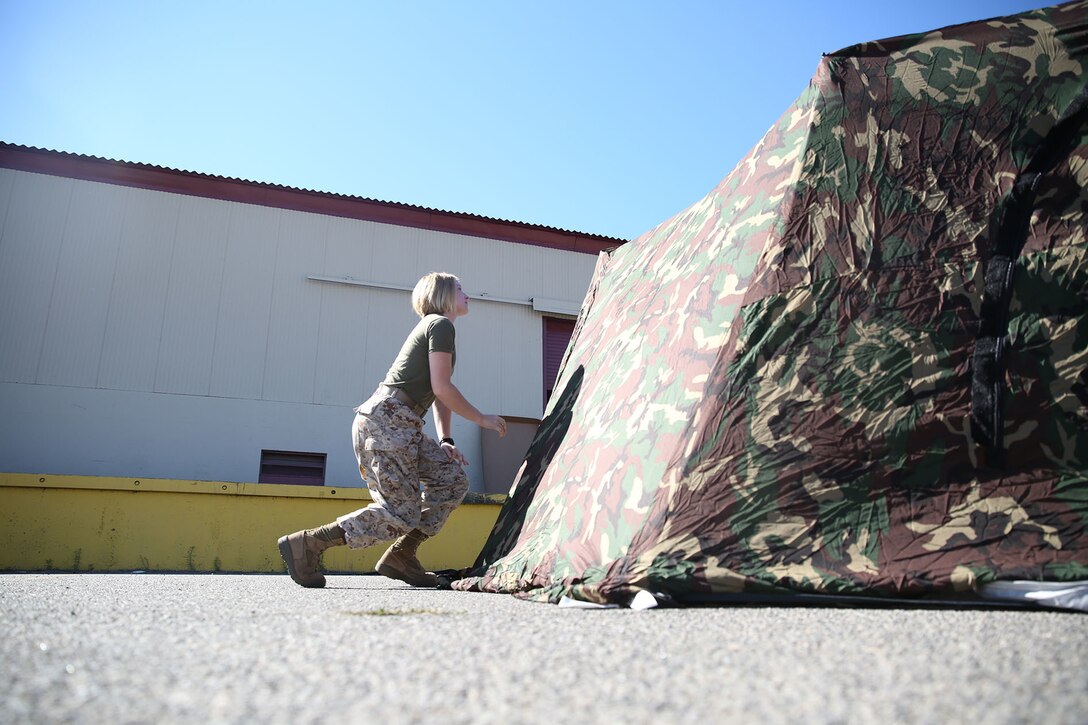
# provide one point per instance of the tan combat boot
(301, 552)
(400, 562)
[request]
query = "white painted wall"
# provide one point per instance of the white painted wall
(145, 333)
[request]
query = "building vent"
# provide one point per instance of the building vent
(301, 469)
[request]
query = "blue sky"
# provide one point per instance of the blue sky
(603, 117)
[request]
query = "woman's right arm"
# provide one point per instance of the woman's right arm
(441, 364)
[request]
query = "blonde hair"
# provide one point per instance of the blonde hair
(435, 294)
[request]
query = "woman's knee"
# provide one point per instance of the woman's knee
(452, 477)
(462, 480)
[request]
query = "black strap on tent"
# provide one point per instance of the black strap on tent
(1010, 232)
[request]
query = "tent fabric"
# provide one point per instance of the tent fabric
(858, 367)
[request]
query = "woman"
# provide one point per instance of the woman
(394, 455)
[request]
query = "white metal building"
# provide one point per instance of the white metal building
(169, 324)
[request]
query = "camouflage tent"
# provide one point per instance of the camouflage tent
(858, 367)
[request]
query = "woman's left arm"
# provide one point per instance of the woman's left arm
(442, 417)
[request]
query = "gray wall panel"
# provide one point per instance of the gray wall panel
(193, 298)
(76, 329)
(30, 247)
(344, 358)
(396, 256)
(345, 365)
(138, 295)
(295, 317)
(522, 361)
(479, 372)
(241, 340)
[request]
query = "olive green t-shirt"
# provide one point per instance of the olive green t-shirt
(411, 371)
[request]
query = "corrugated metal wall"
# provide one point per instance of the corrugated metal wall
(167, 297)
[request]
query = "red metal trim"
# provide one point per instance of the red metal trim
(157, 178)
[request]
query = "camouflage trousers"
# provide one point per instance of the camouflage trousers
(413, 482)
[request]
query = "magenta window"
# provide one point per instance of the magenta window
(557, 334)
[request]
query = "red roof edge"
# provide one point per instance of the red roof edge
(157, 178)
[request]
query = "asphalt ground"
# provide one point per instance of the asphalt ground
(184, 648)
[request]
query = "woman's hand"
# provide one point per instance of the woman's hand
(495, 423)
(455, 455)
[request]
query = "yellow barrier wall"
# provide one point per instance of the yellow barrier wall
(88, 523)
